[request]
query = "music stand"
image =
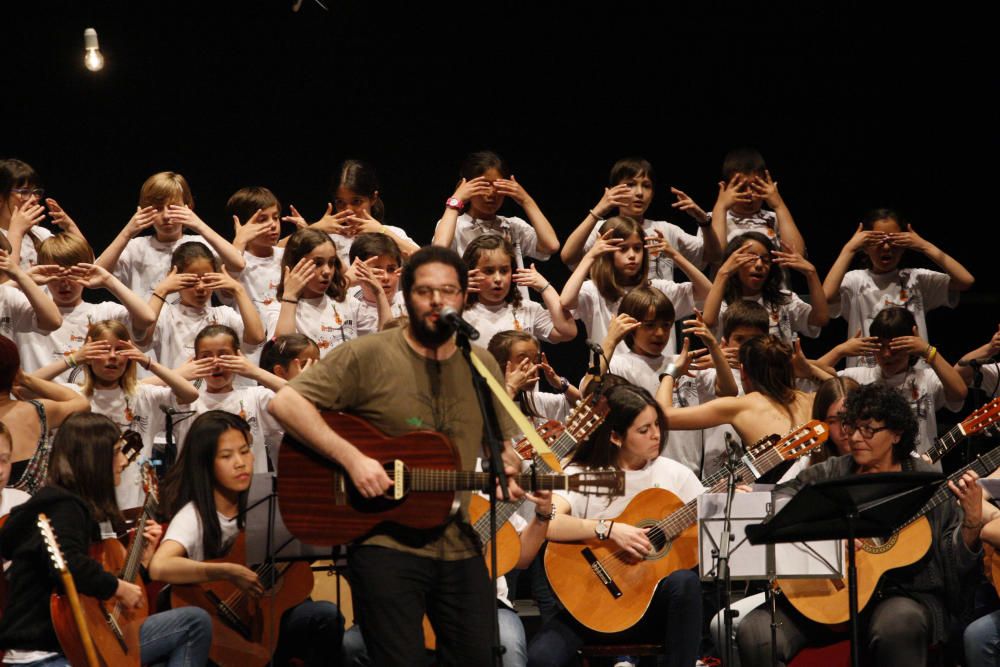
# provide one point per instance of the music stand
(872, 505)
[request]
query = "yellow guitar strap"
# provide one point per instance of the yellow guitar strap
(541, 448)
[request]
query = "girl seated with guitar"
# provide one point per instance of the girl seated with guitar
(631, 439)
(916, 605)
(79, 499)
(206, 495)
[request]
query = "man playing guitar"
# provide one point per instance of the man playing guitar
(400, 381)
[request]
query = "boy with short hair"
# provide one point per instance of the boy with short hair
(377, 253)
(256, 214)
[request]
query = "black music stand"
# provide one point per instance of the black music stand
(871, 505)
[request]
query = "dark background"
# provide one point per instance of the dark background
(852, 108)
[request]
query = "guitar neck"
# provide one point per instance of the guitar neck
(133, 560)
(944, 444)
(463, 480)
(504, 512)
(983, 466)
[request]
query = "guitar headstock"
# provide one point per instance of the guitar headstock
(132, 445)
(982, 419)
(761, 446)
(51, 544)
(609, 482)
(549, 432)
(586, 416)
(802, 440)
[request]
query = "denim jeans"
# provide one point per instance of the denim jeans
(982, 641)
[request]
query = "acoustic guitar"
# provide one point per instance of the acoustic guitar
(114, 630)
(65, 608)
(588, 414)
(245, 629)
(321, 506)
(606, 591)
(826, 600)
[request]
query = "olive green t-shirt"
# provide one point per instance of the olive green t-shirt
(381, 379)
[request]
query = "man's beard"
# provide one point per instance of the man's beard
(425, 335)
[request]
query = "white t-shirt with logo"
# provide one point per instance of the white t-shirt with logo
(329, 323)
(145, 262)
(785, 320)
(250, 403)
(864, 294)
(529, 317)
(16, 312)
(173, 338)
(41, 348)
(691, 246)
(261, 278)
(29, 251)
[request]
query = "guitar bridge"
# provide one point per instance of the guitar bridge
(602, 574)
(339, 489)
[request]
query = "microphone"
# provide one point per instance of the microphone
(595, 359)
(982, 361)
(453, 319)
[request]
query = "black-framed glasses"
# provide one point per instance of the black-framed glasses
(425, 291)
(867, 432)
(27, 192)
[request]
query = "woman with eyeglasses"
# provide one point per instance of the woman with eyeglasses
(21, 211)
(79, 500)
(916, 606)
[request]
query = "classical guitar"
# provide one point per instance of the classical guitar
(562, 439)
(67, 613)
(321, 506)
(826, 600)
(607, 592)
(244, 629)
(114, 629)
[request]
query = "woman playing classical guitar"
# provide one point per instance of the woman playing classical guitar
(79, 497)
(915, 605)
(631, 439)
(206, 494)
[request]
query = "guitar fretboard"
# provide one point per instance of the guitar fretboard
(983, 466)
(422, 479)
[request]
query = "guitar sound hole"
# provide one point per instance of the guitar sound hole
(879, 545)
(661, 547)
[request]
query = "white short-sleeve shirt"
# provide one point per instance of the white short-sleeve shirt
(261, 278)
(660, 473)
(29, 251)
(529, 317)
(329, 323)
(16, 312)
(344, 243)
(864, 293)
(40, 348)
(145, 262)
(185, 529)
(173, 338)
(784, 320)
(691, 246)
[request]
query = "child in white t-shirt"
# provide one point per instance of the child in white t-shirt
(616, 264)
(166, 205)
(517, 352)
(108, 361)
(313, 297)
(220, 344)
(206, 497)
(256, 215)
(195, 275)
(28, 308)
(753, 270)
(927, 388)
(859, 295)
(374, 256)
(746, 186)
(485, 183)
(494, 305)
(630, 191)
(74, 257)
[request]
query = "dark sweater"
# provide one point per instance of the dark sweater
(26, 624)
(937, 579)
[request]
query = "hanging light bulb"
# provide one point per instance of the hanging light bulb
(93, 59)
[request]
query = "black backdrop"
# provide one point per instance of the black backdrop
(852, 107)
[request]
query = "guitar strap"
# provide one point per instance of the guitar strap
(541, 449)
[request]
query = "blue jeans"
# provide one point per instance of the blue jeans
(982, 641)
(178, 638)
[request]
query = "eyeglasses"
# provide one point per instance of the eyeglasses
(867, 432)
(27, 192)
(425, 291)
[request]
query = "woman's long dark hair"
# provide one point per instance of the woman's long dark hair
(192, 479)
(767, 361)
(83, 459)
(625, 402)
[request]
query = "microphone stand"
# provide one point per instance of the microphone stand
(722, 558)
(169, 454)
(497, 476)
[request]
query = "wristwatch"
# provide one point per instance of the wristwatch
(602, 529)
(563, 385)
(455, 203)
